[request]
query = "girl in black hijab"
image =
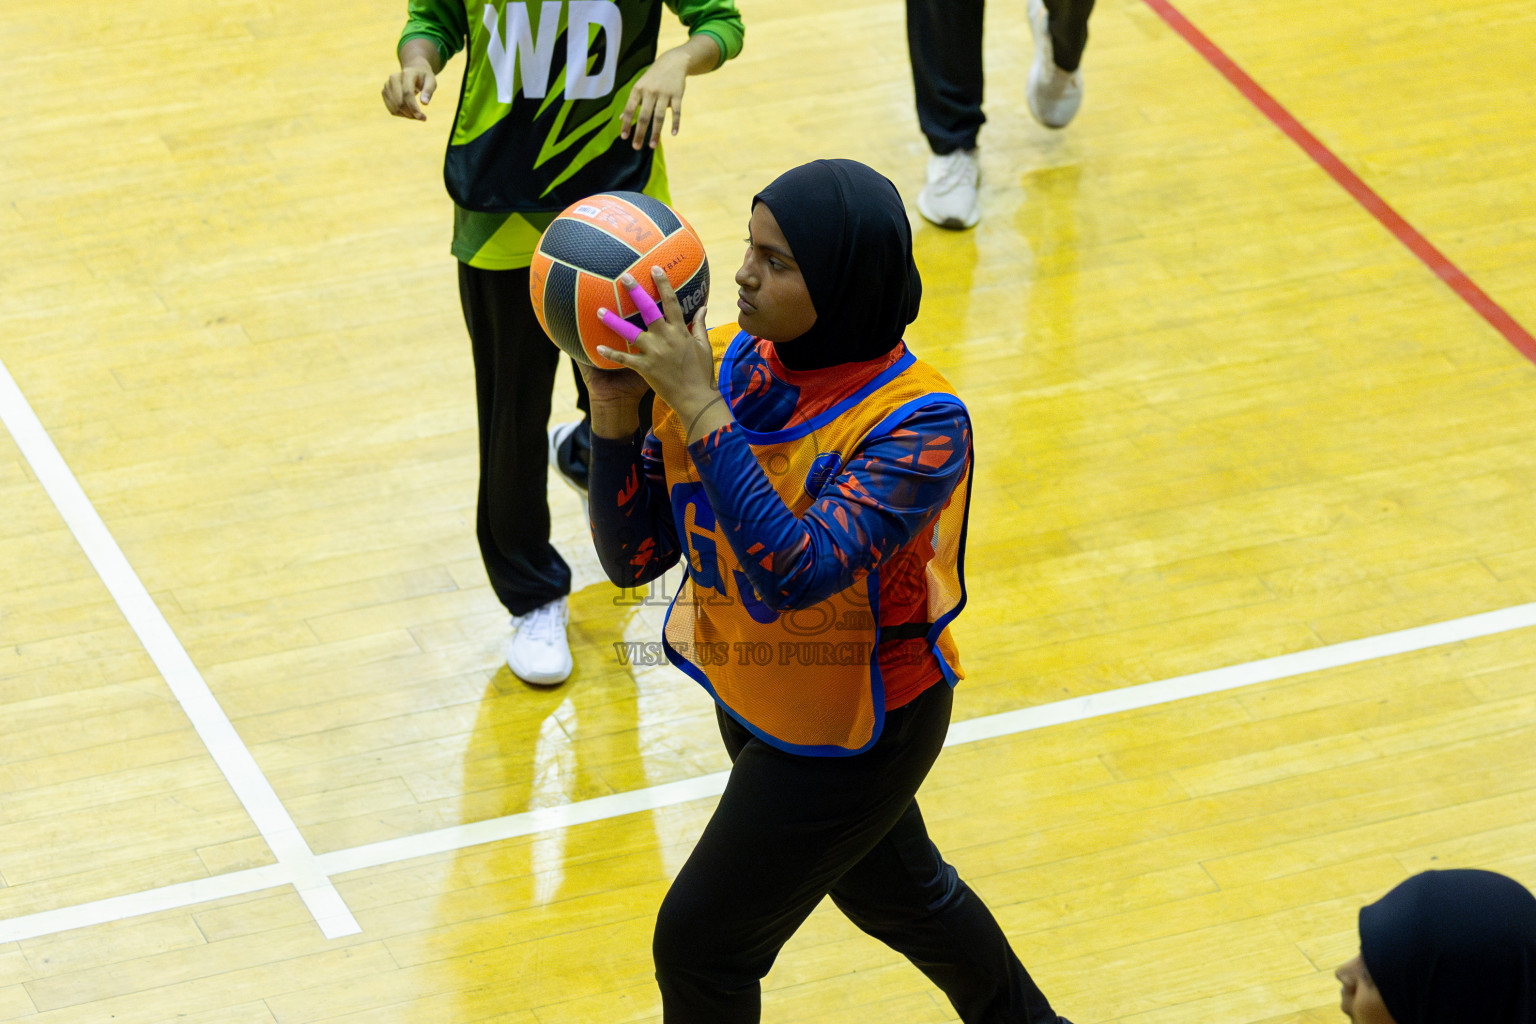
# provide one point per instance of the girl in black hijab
(1445, 947)
(813, 475)
(849, 231)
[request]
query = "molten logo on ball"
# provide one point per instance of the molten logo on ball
(584, 251)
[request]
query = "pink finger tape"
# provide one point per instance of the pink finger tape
(649, 311)
(618, 325)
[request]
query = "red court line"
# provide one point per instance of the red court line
(1417, 244)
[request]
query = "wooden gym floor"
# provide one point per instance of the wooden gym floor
(1252, 621)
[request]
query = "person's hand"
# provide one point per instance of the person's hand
(622, 387)
(405, 86)
(672, 356)
(659, 88)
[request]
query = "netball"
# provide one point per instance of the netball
(581, 255)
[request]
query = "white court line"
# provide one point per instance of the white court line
(149, 901)
(185, 681)
(1349, 652)
(1076, 709)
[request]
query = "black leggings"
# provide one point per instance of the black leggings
(515, 364)
(790, 830)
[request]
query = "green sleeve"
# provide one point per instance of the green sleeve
(442, 21)
(717, 18)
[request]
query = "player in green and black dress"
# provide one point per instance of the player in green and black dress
(560, 100)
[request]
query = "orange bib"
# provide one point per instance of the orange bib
(805, 680)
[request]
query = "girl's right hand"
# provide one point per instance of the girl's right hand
(412, 83)
(672, 355)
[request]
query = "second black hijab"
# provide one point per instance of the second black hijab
(1453, 947)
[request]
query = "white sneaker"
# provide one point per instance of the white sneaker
(538, 651)
(949, 198)
(1054, 95)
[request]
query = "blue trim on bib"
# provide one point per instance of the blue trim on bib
(883, 427)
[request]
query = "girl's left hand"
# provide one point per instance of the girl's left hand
(658, 89)
(674, 358)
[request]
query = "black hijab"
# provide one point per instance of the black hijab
(848, 231)
(1453, 947)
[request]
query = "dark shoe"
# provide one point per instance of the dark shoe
(570, 447)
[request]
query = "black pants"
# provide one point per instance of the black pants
(790, 830)
(515, 364)
(944, 41)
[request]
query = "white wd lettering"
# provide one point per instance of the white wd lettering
(534, 56)
(584, 15)
(520, 51)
